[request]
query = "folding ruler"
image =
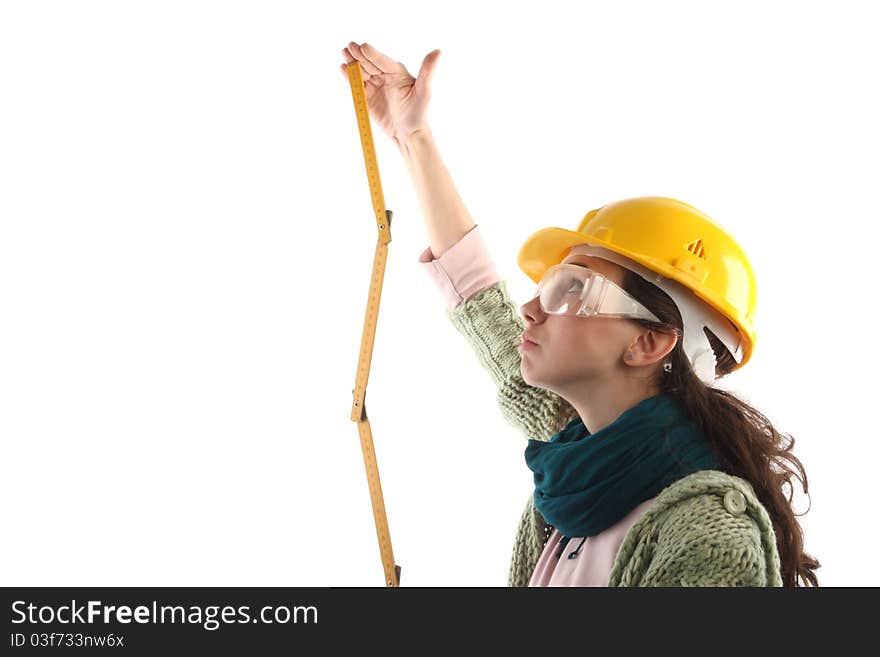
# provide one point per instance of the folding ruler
(359, 409)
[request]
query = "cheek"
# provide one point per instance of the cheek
(593, 342)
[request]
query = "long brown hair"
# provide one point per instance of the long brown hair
(744, 440)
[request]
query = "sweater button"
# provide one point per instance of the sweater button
(734, 502)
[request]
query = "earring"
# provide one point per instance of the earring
(667, 367)
(629, 356)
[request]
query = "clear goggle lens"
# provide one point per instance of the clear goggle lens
(572, 290)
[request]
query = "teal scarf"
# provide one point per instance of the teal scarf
(584, 483)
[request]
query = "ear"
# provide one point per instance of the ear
(651, 346)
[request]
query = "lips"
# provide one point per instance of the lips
(527, 338)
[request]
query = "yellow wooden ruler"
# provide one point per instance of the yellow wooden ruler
(358, 408)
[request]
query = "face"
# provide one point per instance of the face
(573, 349)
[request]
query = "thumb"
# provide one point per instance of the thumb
(429, 63)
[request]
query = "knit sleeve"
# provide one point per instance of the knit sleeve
(492, 325)
(714, 549)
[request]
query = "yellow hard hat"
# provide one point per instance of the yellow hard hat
(668, 237)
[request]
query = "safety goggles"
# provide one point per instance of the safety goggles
(571, 290)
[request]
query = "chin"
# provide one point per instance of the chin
(529, 380)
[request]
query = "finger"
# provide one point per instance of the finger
(376, 80)
(381, 61)
(364, 75)
(368, 66)
(348, 60)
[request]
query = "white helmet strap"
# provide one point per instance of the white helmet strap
(695, 314)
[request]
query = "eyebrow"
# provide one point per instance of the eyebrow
(579, 264)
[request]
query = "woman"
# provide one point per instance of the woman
(645, 474)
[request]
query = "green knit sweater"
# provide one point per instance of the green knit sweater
(695, 533)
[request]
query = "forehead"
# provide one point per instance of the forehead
(598, 264)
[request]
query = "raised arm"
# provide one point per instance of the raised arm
(478, 303)
(480, 308)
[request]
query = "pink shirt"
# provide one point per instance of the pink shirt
(591, 565)
(462, 271)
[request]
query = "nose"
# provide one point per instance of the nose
(531, 311)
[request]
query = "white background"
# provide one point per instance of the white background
(186, 241)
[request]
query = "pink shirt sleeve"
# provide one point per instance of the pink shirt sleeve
(463, 270)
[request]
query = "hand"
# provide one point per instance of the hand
(396, 100)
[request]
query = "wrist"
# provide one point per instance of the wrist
(414, 138)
